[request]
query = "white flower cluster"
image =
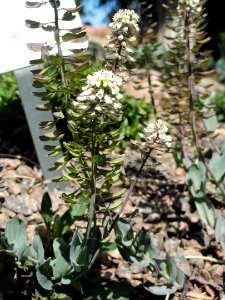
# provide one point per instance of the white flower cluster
(101, 94)
(192, 3)
(124, 20)
(155, 134)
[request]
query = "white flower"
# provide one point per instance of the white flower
(192, 3)
(117, 105)
(131, 58)
(156, 133)
(129, 50)
(108, 99)
(132, 39)
(125, 19)
(120, 37)
(101, 95)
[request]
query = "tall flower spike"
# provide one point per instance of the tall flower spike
(155, 134)
(101, 95)
(125, 23)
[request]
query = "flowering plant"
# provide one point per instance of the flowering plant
(88, 116)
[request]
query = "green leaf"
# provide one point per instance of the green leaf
(78, 251)
(46, 210)
(124, 232)
(220, 230)
(60, 296)
(74, 9)
(16, 237)
(74, 212)
(112, 291)
(37, 249)
(205, 210)
(30, 4)
(32, 24)
(217, 165)
(44, 274)
(60, 264)
(196, 178)
(72, 36)
(162, 290)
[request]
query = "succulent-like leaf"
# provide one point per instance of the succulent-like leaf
(44, 274)
(46, 210)
(37, 249)
(16, 237)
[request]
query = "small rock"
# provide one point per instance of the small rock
(196, 260)
(135, 282)
(145, 210)
(31, 203)
(22, 218)
(3, 220)
(135, 269)
(147, 226)
(171, 246)
(17, 206)
(38, 173)
(12, 163)
(14, 188)
(115, 254)
(210, 231)
(180, 172)
(24, 170)
(191, 244)
(206, 275)
(123, 272)
(35, 219)
(109, 274)
(153, 217)
(8, 212)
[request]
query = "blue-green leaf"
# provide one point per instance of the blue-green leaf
(15, 233)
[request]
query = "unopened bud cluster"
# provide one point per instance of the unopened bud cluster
(125, 22)
(101, 95)
(155, 134)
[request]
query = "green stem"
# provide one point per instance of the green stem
(151, 93)
(57, 39)
(126, 199)
(93, 184)
(117, 60)
(129, 192)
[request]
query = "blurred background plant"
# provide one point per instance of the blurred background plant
(14, 132)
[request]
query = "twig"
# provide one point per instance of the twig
(20, 157)
(212, 259)
(167, 297)
(19, 176)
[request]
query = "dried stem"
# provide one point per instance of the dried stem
(191, 85)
